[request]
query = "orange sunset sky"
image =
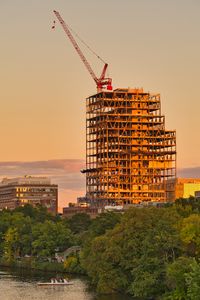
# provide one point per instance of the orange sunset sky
(152, 44)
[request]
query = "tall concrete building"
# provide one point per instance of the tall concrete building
(19, 191)
(129, 153)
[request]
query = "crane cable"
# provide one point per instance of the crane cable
(82, 41)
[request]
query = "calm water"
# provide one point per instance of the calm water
(15, 285)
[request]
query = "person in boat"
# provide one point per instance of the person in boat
(60, 280)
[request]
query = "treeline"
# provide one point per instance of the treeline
(29, 231)
(149, 253)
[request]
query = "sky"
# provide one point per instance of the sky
(154, 44)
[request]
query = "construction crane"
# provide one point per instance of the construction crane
(102, 81)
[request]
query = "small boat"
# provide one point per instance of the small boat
(55, 282)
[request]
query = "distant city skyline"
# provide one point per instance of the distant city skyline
(65, 173)
(150, 44)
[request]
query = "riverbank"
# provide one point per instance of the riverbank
(32, 264)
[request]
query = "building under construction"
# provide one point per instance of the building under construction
(129, 153)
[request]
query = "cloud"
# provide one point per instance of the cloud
(189, 172)
(69, 165)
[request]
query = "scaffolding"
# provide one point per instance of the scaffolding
(129, 154)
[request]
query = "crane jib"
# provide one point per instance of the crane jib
(102, 81)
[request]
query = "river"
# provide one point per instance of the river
(22, 285)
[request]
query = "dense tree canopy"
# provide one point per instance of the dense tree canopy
(29, 231)
(150, 253)
(135, 253)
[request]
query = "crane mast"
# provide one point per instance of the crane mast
(101, 82)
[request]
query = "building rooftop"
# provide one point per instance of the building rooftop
(25, 180)
(183, 180)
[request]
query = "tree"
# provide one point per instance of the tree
(190, 234)
(79, 222)
(5, 222)
(102, 265)
(193, 281)
(72, 265)
(176, 278)
(11, 244)
(49, 237)
(38, 213)
(132, 257)
(104, 222)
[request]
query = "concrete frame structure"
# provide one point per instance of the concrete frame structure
(19, 191)
(129, 154)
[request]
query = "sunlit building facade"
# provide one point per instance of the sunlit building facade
(130, 154)
(19, 191)
(182, 188)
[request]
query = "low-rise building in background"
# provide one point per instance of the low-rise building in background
(182, 188)
(19, 191)
(197, 194)
(72, 210)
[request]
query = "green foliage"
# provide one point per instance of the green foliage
(72, 265)
(183, 279)
(79, 222)
(133, 256)
(4, 225)
(176, 278)
(190, 234)
(104, 222)
(33, 232)
(38, 213)
(193, 281)
(104, 275)
(150, 253)
(49, 237)
(99, 226)
(11, 244)
(187, 206)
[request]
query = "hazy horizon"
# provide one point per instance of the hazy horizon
(65, 173)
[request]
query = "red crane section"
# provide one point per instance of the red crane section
(101, 82)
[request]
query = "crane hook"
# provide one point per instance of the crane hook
(54, 25)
